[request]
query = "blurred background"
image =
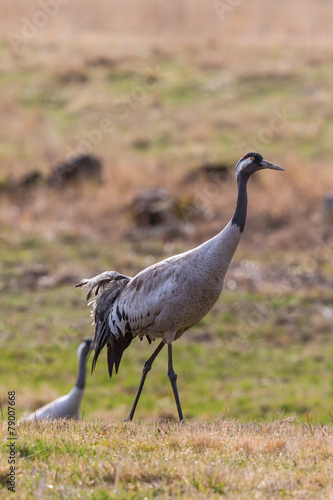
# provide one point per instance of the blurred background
(121, 123)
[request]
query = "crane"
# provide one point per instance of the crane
(67, 406)
(167, 298)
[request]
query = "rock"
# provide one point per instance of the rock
(30, 180)
(210, 171)
(76, 170)
(22, 185)
(152, 207)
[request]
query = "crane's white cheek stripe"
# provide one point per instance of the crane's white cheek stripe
(242, 164)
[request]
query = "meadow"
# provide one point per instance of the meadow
(197, 460)
(155, 99)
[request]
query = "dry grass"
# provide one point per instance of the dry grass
(199, 459)
(204, 104)
(182, 21)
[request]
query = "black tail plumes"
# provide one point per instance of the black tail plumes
(106, 287)
(116, 350)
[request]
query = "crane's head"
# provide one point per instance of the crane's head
(251, 162)
(85, 348)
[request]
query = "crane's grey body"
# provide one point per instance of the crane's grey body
(168, 298)
(66, 406)
(189, 284)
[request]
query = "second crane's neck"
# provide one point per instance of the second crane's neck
(81, 379)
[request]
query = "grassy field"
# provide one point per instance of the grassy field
(197, 460)
(178, 90)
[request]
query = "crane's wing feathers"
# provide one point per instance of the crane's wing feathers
(124, 307)
(100, 282)
(141, 301)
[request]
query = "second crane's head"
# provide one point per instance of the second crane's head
(251, 162)
(84, 348)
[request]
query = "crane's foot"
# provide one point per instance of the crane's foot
(126, 419)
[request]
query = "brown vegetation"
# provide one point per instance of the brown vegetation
(57, 97)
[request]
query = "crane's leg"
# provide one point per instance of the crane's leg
(173, 380)
(146, 368)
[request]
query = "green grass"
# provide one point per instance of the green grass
(238, 360)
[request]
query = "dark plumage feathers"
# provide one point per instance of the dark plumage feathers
(106, 288)
(115, 353)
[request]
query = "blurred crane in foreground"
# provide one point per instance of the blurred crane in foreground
(167, 298)
(67, 406)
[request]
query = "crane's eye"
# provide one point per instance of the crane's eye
(252, 158)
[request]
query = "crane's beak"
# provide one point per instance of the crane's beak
(267, 164)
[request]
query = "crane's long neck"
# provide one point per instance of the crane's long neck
(81, 379)
(217, 253)
(239, 216)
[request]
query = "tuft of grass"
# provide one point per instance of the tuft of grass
(197, 459)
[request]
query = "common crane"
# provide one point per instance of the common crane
(67, 406)
(167, 298)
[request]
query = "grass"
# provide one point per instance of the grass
(255, 376)
(199, 459)
(265, 351)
